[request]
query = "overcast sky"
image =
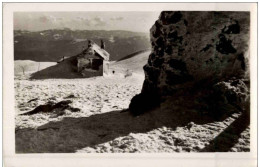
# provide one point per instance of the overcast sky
(131, 21)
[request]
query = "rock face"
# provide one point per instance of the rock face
(195, 50)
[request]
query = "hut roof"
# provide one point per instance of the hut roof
(97, 49)
(103, 53)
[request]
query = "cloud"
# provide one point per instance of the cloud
(83, 20)
(59, 18)
(98, 21)
(50, 19)
(43, 19)
(142, 20)
(117, 18)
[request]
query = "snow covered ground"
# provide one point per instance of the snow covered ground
(103, 124)
(28, 66)
(99, 126)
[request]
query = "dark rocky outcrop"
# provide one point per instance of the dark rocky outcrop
(199, 52)
(51, 106)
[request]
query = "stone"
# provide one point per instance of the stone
(234, 91)
(50, 107)
(190, 125)
(194, 50)
(185, 51)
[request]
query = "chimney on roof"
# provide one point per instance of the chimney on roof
(102, 44)
(89, 43)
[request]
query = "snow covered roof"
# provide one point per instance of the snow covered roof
(103, 53)
(94, 48)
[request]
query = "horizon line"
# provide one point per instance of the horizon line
(78, 30)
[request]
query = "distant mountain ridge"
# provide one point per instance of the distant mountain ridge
(51, 45)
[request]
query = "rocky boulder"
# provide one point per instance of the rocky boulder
(193, 50)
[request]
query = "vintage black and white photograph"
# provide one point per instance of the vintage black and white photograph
(169, 81)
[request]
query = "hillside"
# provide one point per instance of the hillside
(51, 45)
(29, 66)
(133, 63)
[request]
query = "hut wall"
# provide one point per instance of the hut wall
(90, 67)
(105, 67)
